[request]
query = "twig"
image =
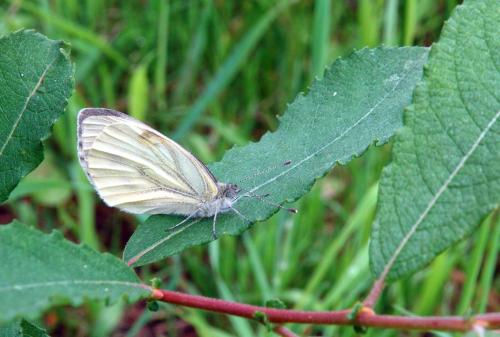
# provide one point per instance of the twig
(366, 318)
(284, 332)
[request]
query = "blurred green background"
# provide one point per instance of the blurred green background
(214, 74)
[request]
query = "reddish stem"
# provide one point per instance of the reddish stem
(284, 332)
(375, 292)
(365, 318)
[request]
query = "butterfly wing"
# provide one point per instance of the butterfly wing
(137, 169)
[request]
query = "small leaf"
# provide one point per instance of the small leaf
(360, 329)
(22, 328)
(353, 314)
(445, 174)
(31, 330)
(39, 270)
(359, 101)
(155, 283)
(153, 306)
(275, 303)
(262, 318)
(36, 79)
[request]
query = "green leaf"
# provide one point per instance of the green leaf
(36, 80)
(444, 178)
(359, 101)
(40, 270)
(22, 328)
(275, 303)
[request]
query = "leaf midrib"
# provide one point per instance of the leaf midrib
(72, 282)
(25, 106)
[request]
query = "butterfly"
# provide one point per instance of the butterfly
(137, 169)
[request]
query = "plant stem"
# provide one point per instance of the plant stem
(375, 292)
(366, 318)
(284, 332)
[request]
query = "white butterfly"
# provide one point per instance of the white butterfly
(139, 170)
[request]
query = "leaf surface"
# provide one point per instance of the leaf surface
(39, 270)
(358, 102)
(445, 174)
(36, 80)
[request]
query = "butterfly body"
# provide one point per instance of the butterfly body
(222, 203)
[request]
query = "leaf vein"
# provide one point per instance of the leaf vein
(71, 282)
(159, 242)
(25, 106)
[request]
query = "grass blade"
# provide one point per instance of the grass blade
(474, 265)
(235, 61)
(161, 54)
(77, 31)
(321, 35)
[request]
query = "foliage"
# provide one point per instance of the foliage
(36, 80)
(40, 270)
(236, 65)
(358, 102)
(444, 178)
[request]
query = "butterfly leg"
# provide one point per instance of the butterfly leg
(214, 232)
(258, 196)
(190, 216)
(262, 197)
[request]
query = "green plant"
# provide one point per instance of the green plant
(367, 90)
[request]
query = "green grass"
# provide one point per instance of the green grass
(214, 74)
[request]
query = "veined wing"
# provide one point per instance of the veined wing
(137, 169)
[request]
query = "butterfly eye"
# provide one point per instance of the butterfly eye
(232, 190)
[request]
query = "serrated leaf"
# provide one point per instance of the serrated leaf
(39, 270)
(445, 174)
(359, 101)
(36, 80)
(22, 328)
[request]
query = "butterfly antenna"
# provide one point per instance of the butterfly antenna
(267, 170)
(249, 194)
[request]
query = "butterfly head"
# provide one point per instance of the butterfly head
(229, 191)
